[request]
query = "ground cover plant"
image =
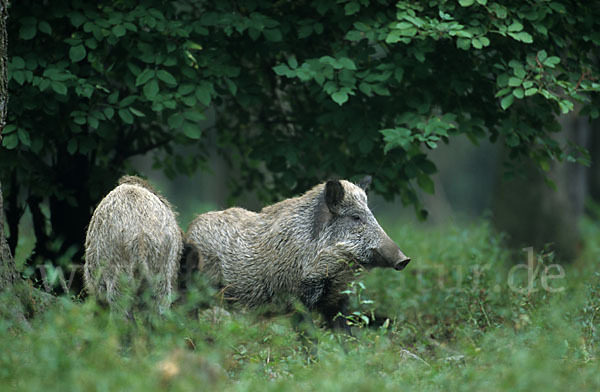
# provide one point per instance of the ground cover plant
(450, 321)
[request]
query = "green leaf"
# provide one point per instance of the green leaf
(27, 31)
(565, 106)
(498, 10)
(502, 80)
(305, 31)
(10, 141)
(380, 90)
(24, 137)
(113, 97)
(231, 86)
(404, 25)
(530, 91)
(347, 63)
(166, 77)
(463, 43)
(190, 100)
(77, 19)
(292, 62)
(254, 34)
(19, 77)
(393, 37)
(281, 69)
(44, 27)
(551, 61)
(185, 89)
(126, 116)
(408, 32)
(365, 88)
(77, 53)
(80, 120)
(503, 92)
(72, 146)
(526, 37)
(399, 74)
(59, 87)
(9, 128)
(466, 3)
(351, 8)
(136, 112)
(194, 116)
(203, 95)
(93, 122)
(17, 62)
(427, 166)
(119, 31)
(515, 26)
(514, 81)
(144, 77)
(127, 101)
(542, 55)
(151, 89)
(175, 120)
(273, 35)
(339, 97)
(522, 36)
(518, 92)
(192, 131)
(426, 183)
(396, 137)
(520, 72)
(109, 112)
(512, 140)
(354, 35)
(507, 101)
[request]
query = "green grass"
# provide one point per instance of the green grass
(449, 321)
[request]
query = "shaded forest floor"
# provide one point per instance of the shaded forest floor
(457, 318)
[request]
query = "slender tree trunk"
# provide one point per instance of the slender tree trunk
(532, 214)
(11, 306)
(7, 266)
(594, 170)
(18, 299)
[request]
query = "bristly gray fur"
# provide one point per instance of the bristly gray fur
(308, 247)
(133, 236)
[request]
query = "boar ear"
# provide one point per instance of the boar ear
(365, 183)
(334, 193)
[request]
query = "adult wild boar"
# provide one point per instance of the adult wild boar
(133, 241)
(308, 247)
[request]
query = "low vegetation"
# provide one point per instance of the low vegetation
(460, 317)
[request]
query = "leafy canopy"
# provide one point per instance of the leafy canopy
(301, 90)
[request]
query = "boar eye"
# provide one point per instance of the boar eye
(356, 218)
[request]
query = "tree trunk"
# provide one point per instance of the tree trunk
(532, 214)
(7, 267)
(18, 299)
(594, 170)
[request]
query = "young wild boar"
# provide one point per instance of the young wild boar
(133, 240)
(308, 247)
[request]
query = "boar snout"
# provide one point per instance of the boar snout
(390, 255)
(402, 263)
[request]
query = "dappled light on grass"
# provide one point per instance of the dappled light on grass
(449, 321)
